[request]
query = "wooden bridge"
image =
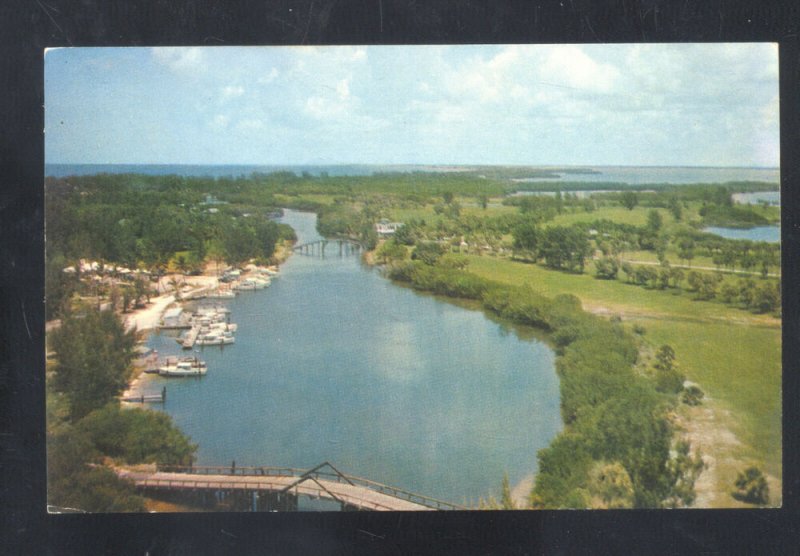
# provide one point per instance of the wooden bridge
(317, 248)
(278, 488)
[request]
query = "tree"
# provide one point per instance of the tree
(137, 436)
(483, 201)
(391, 252)
(140, 289)
(674, 207)
(751, 486)
(682, 470)
(629, 200)
(612, 485)
(94, 354)
(526, 237)
(668, 378)
(428, 252)
(654, 221)
(686, 250)
(606, 268)
(75, 481)
(565, 247)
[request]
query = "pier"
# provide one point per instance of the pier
(147, 398)
(190, 338)
(278, 488)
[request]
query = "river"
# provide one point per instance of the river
(335, 363)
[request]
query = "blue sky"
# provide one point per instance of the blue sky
(655, 104)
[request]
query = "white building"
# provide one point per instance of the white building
(172, 318)
(386, 228)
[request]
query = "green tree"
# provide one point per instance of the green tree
(526, 237)
(611, 483)
(391, 252)
(668, 378)
(751, 486)
(683, 470)
(565, 247)
(94, 354)
(606, 268)
(629, 200)
(238, 243)
(137, 436)
(674, 207)
(654, 221)
(428, 252)
(76, 481)
(686, 250)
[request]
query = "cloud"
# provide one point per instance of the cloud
(220, 121)
(250, 125)
(232, 91)
(189, 60)
(270, 77)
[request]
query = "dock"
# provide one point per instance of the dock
(147, 398)
(191, 338)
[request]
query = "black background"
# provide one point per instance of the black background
(27, 27)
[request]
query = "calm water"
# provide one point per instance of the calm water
(635, 175)
(641, 175)
(770, 234)
(333, 362)
(756, 198)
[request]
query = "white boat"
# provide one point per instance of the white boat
(215, 338)
(222, 327)
(221, 294)
(244, 285)
(186, 366)
(261, 283)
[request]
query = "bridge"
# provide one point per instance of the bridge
(317, 248)
(278, 488)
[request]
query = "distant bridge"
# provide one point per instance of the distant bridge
(317, 248)
(278, 488)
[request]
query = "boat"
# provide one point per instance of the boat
(215, 338)
(185, 366)
(245, 285)
(219, 327)
(221, 294)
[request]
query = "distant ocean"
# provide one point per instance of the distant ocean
(634, 175)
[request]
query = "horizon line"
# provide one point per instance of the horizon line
(433, 165)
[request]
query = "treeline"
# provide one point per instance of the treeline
(763, 296)
(615, 448)
(148, 222)
(86, 429)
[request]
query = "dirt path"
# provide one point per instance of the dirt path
(626, 311)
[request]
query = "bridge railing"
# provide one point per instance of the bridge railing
(333, 475)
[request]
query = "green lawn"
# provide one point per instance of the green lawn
(741, 367)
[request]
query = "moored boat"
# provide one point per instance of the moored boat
(185, 366)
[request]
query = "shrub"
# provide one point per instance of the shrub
(751, 486)
(692, 395)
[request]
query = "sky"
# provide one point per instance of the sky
(636, 104)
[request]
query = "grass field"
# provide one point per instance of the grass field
(741, 367)
(735, 356)
(614, 295)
